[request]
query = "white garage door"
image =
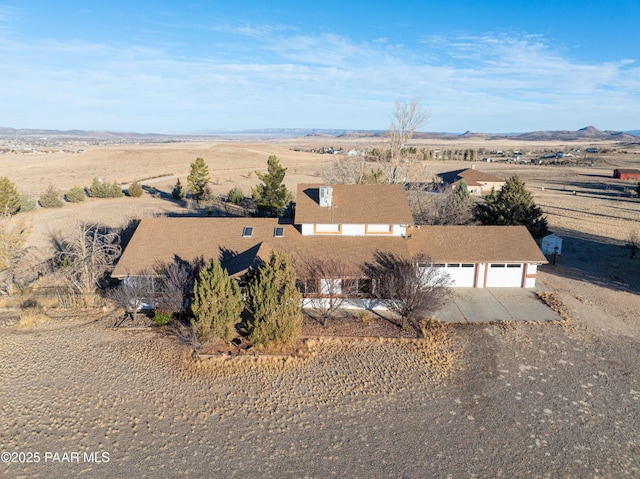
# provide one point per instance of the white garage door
(461, 275)
(505, 276)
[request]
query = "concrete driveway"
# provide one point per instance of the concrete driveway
(483, 305)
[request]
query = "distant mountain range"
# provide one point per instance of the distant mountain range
(588, 133)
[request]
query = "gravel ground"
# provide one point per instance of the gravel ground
(501, 400)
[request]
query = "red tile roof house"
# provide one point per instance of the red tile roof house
(626, 174)
(350, 223)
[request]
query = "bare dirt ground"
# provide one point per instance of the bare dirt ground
(488, 400)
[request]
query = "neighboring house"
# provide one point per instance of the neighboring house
(349, 223)
(626, 174)
(478, 183)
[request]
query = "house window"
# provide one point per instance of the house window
(331, 286)
(498, 265)
(279, 232)
(357, 286)
(378, 229)
(513, 266)
(467, 265)
(327, 229)
(308, 286)
(453, 265)
(247, 232)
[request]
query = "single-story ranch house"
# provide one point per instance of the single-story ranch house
(478, 182)
(349, 223)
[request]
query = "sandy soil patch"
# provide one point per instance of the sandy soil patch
(519, 400)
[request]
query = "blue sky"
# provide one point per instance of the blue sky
(170, 67)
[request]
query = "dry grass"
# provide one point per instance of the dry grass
(32, 317)
(553, 300)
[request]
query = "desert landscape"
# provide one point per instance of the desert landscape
(520, 399)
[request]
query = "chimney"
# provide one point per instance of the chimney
(325, 195)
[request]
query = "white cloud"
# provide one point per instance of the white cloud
(266, 76)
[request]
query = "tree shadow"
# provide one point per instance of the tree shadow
(598, 260)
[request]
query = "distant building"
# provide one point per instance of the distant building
(626, 174)
(478, 183)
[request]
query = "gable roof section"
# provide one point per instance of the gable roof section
(475, 244)
(162, 240)
(354, 204)
(471, 177)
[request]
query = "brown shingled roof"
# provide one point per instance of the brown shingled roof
(471, 244)
(471, 177)
(354, 204)
(160, 240)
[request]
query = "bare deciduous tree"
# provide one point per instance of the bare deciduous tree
(407, 118)
(87, 255)
(177, 280)
(346, 170)
(445, 208)
(133, 293)
(327, 284)
(409, 287)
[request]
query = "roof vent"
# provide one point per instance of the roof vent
(325, 195)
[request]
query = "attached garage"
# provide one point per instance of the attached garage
(462, 275)
(480, 256)
(501, 275)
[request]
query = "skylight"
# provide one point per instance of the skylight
(247, 232)
(279, 232)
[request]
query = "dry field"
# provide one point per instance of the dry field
(487, 400)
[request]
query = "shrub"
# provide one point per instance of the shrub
(135, 189)
(161, 318)
(76, 195)
(102, 189)
(178, 192)
(27, 203)
(235, 195)
(31, 317)
(51, 198)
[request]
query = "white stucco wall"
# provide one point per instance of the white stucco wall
(357, 230)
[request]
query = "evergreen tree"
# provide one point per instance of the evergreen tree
(217, 303)
(135, 189)
(235, 195)
(102, 189)
(198, 178)
(272, 196)
(76, 195)
(178, 192)
(275, 302)
(460, 193)
(512, 205)
(51, 198)
(9, 197)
